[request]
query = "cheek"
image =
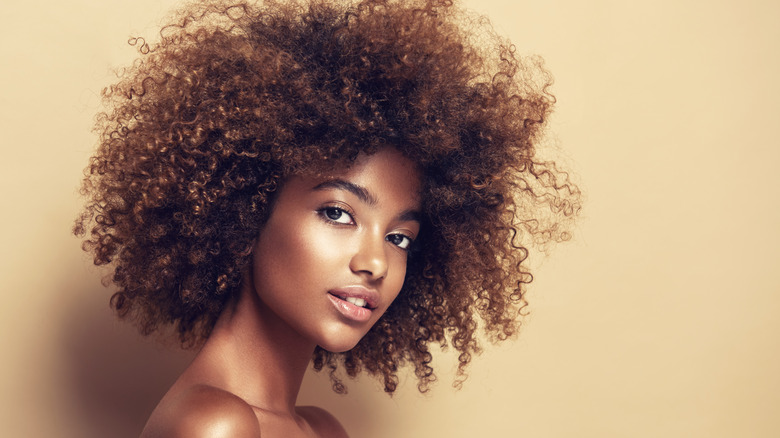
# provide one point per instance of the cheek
(275, 256)
(322, 246)
(322, 254)
(304, 253)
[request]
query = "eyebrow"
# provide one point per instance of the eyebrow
(361, 192)
(410, 215)
(364, 195)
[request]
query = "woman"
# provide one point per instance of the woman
(318, 181)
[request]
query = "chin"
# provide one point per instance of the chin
(341, 337)
(339, 343)
(338, 347)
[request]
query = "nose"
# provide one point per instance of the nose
(370, 258)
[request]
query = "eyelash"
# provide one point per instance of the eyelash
(324, 213)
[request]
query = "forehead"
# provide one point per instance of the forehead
(387, 167)
(386, 176)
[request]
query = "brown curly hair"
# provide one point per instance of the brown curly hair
(203, 129)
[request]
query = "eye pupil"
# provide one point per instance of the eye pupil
(333, 213)
(400, 240)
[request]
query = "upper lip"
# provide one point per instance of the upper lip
(370, 295)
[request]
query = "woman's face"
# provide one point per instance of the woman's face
(332, 256)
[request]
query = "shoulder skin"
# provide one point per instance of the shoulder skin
(203, 412)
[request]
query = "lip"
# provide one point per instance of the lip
(349, 310)
(371, 296)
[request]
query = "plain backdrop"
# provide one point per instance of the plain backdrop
(660, 318)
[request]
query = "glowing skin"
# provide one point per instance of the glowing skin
(326, 266)
(332, 256)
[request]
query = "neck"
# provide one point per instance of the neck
(255, 355)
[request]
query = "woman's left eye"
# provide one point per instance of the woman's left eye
(337, 215)
(399, 240)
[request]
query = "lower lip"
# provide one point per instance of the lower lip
(349, 310)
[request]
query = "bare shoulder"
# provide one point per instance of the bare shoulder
(202, 411)
(322, 422)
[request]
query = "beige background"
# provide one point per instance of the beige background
(660, 319)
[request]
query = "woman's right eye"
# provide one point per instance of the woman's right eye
(338, 215)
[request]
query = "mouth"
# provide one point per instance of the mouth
(358, 296)
(355, 303)
(360, 302)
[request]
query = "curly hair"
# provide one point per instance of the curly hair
(202, 130)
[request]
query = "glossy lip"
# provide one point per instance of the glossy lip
(349, 310)
(371, 296)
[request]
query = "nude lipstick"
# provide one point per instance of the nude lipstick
(354, 302)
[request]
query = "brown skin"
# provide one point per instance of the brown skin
(318, 239)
